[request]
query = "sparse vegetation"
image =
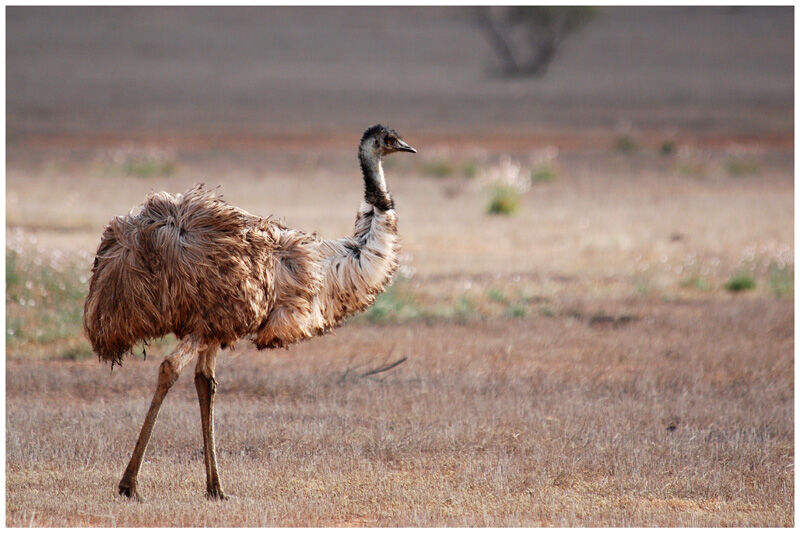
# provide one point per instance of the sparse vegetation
(626, 144)
(470, 169)
(543, 174)
(781, 280)
(44, 306)
(740, 281)
(693, 169)
(144, 167)
(396, 304)
(486, 424)
(697, 283)
(742, 166)
(142, 162)
(440, 168)
(504, 200)
(667, 148)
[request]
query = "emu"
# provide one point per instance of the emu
(212, 274)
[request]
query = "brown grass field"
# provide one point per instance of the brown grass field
(615, 348)
(562, 369)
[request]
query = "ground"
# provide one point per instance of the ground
(614, 348)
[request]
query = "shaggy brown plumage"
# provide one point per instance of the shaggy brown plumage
(193, 264)
(211, 273)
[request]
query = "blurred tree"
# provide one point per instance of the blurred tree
(526, 38)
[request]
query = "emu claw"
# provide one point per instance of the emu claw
(129, 491)
(216, 494)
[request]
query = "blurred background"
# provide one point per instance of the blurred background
(611, 188)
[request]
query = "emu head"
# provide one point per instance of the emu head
(381, 141)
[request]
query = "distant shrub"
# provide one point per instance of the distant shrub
(44, 306)
(693, 169)
(741, 281)
(496, 295)
(695, 282)
(626, 144)
(144, 167)
(526, 38)
(470, 169)
(504, 200)
(781, 280)
(742, 166)
(667, 148)
(517, 310)
(394, 305)
(543, 174)
(439, 169)
(463, 310)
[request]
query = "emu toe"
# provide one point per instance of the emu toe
(129, 491)
(215, 494)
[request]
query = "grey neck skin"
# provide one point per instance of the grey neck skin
(375, 191)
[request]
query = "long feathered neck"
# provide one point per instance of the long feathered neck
(358, 268)
(375, 191)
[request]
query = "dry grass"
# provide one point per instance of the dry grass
(682, 417)
(580, 363)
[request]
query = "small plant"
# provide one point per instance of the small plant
(395, 305)
(496, 295)
(517, 310)
(781, 280)
(741, 281)
(543, 174)
(742, 166)
(470, 169)
(463, 310)
(626, 144)
(144, 167)
(439, 169)
(504, 200)
(667, 148)
(693, 169)
(696, 283)
(44, 306)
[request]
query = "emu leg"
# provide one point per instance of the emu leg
(206, 389)
(167, 376)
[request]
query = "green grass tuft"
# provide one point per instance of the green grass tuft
(504, 200)
(781, 280)
(626, 144)
(470, 169)
(517, 310)
(439, 169)
(696, 283)
(741, 281)
(396, 304)
(543, 174)
(44, 307)
(667, 148)
(742, 166)
(496, 295)
(145, 167)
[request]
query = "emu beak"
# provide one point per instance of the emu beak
(402, 146)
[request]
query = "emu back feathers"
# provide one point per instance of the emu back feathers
(185, 264)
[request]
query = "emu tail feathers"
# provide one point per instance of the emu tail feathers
(123, 305)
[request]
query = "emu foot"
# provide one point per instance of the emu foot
(215, 494)
(127, 488)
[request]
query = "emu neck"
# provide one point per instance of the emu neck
(375, 191)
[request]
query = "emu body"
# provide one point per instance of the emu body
(213, 274)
